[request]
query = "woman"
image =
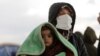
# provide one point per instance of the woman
(62, 15)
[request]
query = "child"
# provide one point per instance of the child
(45, 40)
(53, 46)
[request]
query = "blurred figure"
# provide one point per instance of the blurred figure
(99, 47)
(79, 34)
(8, 49)
(98, 18)
(89, 40)
(99, 37)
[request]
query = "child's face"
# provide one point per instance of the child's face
(47, 37)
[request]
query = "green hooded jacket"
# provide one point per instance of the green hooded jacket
(34, 44)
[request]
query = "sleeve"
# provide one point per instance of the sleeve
(82, 50)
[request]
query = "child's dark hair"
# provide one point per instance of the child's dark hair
(45, 27)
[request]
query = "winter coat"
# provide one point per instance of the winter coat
(34, 44)
(75, 40)
(8, 50)
(89, 40)
(98, 50)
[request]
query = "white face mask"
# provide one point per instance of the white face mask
(64, 22)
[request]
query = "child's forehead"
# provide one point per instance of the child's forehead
(48, 28)
(46, 32)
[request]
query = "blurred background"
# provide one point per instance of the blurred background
(19, 17)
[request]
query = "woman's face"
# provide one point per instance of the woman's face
(63, 11)
(47, 37)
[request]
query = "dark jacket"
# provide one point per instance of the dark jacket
(75, 40)
(89, 40)
(8, 50)
(79, 34)
(98, 50)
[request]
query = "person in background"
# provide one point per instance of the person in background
(89, 40)
(8, 49)
(98, 19)
(98, 50)
(78, 33)
(62, 15)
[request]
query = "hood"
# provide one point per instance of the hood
(34, 44)
(90, 36)
(78, 33)
(54, 9)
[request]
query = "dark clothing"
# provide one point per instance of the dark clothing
(75, 40)
(92, 50)
(79, 44)
(54, 50)
(98, 50)
(89, 40)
